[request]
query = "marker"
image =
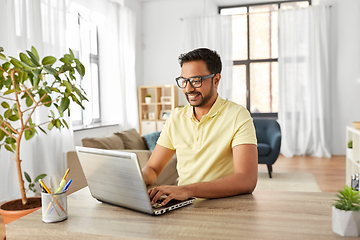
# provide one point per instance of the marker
(62, 183)
(48, 191)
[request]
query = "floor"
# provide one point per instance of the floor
(328, 172)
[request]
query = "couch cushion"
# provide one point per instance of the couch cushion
(151, 140)
(132, 139)
(263, 149)
(112, 142)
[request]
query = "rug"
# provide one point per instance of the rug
(297, 182)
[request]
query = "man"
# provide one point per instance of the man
(214, 139)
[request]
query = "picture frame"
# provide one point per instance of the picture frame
(165, 99)
(165, 114)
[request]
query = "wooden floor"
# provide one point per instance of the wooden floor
(329, 172)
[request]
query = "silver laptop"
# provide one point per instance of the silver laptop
(115, 177)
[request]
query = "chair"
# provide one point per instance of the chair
(268, 136)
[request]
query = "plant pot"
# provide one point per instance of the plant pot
(148, 100)
(350, 153)
(345, 223)
(12, 215)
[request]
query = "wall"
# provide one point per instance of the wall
(162, 41)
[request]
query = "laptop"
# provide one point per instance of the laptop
(115, 177)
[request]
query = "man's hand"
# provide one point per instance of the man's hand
(172, 192)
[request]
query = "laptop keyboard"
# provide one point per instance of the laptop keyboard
(161, 199)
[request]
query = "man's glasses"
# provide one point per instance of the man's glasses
(195, 82)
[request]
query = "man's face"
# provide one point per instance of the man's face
(198, 97)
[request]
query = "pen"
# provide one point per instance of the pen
(62, 183)
(48, 191)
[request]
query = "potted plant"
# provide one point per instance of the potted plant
(349, 150)
(148, 98)
(27, 84)
(346, 213)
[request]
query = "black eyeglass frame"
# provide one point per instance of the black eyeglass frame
(192, 78)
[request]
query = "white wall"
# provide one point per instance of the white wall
(162, 43)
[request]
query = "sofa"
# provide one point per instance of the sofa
(128, 141)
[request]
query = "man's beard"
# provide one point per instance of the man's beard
(204, 100)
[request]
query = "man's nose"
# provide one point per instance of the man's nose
(189, 87)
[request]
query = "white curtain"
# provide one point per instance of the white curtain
(41, 24)
(213, 32)
(304, 81)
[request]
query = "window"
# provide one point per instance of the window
(255, 55)
(82, 38)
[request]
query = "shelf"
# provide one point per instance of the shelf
(353, 155)
(151, 114)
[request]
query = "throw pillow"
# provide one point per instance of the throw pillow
(151, 140)
(132, 139)
(113, 142)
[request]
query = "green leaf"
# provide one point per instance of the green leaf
(42, 129)
(47, 100)
(71, 53)
(6, 66)
(11, 91)
(27, 66)
(50, 70)
(52, 114)
(64, 104)
(67, 126)
(58, 123)
(15, 62)
(67, 85)
(8, 113)
(7, 147)
(29, 102)
(36, 55)
(24, 58)
(2, 135)
(33, 58)
(47, 89)
(50, 125)
(2, 57)
(27, 176)
(80, 68)
(29, 134)
(5, 105)
(49, 60)
(14, 118)
(41, 176)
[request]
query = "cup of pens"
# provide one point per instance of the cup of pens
(54, 204)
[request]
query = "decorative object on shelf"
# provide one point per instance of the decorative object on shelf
(346, 213)
(27, 85)
(148, 99)
(356, 125)
(152, 116)
(165, 99)
(165, 114)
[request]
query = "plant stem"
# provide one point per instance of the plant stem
(18, 140)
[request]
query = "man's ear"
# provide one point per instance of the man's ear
(217, 78)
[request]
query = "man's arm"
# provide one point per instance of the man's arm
(244, 179)
(156, 164)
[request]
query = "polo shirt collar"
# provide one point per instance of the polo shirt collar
(213, 111)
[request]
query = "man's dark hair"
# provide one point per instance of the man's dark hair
(210, 57)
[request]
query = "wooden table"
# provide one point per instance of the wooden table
(261, 215)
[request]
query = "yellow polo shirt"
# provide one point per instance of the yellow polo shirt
(204, 148)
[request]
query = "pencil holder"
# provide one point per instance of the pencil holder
(54, 207)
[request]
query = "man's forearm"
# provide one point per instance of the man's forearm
(234, 184)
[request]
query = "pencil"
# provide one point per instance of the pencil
(48, 191)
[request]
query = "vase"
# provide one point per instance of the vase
(148, 100)
(345, 223)
(12, 215)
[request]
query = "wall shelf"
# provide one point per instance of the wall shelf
(352, 156)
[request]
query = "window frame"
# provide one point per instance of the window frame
(248, 61)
